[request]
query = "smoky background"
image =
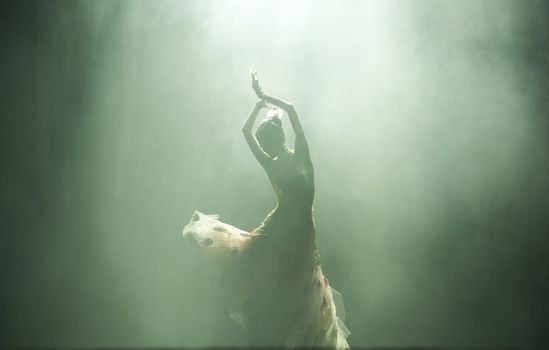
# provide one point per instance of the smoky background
(427, 124)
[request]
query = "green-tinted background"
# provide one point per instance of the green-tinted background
(427, 125)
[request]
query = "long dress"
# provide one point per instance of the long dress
(272, 280)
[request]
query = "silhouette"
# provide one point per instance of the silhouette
(272, 280)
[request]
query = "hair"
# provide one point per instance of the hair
(270, 133)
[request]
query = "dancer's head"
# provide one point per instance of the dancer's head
(270, 134)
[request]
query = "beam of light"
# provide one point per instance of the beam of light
(417, 122)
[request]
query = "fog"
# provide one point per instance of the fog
(426, 122)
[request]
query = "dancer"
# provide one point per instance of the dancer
(272, 280)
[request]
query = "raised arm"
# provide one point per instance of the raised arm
(262, 157)
(301, 147)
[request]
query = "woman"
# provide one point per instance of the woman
(272, 279)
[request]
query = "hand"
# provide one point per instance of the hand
(255, 84)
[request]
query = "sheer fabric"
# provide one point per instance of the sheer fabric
(272, 284)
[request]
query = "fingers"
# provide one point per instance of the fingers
(253, 73)
(255, 83)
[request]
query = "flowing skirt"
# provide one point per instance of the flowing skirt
(278, 295)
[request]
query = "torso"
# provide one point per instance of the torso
(292, 178)
(286, 249)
